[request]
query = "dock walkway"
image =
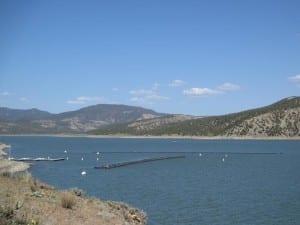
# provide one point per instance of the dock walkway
(36, 159)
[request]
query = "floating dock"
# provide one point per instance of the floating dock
(36, 159)
(115, 165)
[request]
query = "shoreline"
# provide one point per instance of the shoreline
(2, 148)
(9, 166)
(155, 137)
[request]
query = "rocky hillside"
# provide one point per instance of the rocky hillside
(36, 122)
(276, 123)
(281, 119)
(144, 127)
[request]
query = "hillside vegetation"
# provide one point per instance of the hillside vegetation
(281, 119)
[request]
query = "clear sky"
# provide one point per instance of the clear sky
(191, 57)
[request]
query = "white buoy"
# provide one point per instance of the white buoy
(65, 151)
(98, 153)
(67, 158)
(83, 173)
(97, 159)
(82, 158)
(223, 159)
(200, 154)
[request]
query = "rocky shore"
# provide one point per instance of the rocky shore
(2, 147)
(9, 166)
(25, 200)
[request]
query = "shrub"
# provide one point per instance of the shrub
(6, 213)
(33, 186)
(6, 174)
(8, 217)
(68, 200)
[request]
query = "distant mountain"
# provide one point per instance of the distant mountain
(7, 114)
(110, 114)
(36, 122)
(281, 119)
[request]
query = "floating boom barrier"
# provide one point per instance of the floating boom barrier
(127, 163)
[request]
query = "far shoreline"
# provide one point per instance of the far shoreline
(155, 137)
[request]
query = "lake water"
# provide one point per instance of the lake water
(243, 189)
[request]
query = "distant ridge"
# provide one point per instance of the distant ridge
(34, 121)
(281, 119)
(8, 114)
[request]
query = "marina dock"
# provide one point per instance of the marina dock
(119, 164)
(36, 159)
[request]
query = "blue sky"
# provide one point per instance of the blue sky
(190, 57)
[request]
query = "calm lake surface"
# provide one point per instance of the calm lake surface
(245, 188)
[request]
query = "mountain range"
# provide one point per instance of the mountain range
(281, 119)
(34, 121)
